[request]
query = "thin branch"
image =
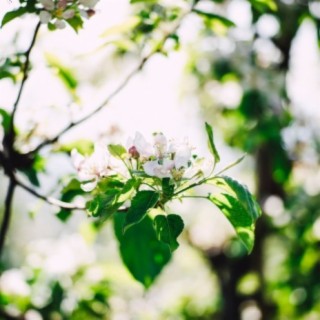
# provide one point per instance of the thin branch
(24, 79)
(114, 93)
(7, 214)
(48, 199)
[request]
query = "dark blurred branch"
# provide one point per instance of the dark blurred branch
(11, 133)
(114, 93)
(7, 214)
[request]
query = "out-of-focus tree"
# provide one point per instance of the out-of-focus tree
(241, 84)
(133, 186)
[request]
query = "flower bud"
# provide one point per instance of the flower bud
(134, 152)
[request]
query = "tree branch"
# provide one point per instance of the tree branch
(7, 214)
(48, 199)
(24, 79)
(114, 93)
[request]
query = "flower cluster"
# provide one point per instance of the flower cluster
(157, 160)
(55, 13)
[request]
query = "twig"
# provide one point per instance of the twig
(48, 199)
(25, 77)
(122, 85)
(7, 214)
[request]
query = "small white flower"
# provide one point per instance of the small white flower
(160, 144)
(143, 147)
(45, 16)
(68, 14)
(60, 24)
(47, 4)
(182, 157)
(160, 170)
(89, 3)
(91, 168)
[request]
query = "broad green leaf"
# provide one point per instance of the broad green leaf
(141, 252)
(212, 16)
(9, 16)
(211, 144)
(117, 150)
(141, 203)
(239, 207)
(168, 228)
(240, 192)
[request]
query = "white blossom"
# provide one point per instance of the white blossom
(92, 168)
(89, 3)
(143, 147)
(47, 4)
(45, 16)
(155, 168)
(68, 14)
(60, 24)
(160, 144)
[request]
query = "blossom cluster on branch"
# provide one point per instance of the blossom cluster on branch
(55, 13)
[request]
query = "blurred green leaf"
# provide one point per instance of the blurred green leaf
(11, 15)
(76, 23)
(168, 228)
(65, 74)
(117, 150)
(83, 146)
(211, 144)
(142, 253)
(263, 5)
(6, 118)
(141, 203)
(212, 16)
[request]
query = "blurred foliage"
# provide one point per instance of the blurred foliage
(281, 278)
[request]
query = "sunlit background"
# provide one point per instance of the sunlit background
(173, 94)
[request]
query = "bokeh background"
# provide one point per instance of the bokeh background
(257, 83)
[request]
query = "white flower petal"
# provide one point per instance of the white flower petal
(47, 4)
(68, 14)
(45, 16)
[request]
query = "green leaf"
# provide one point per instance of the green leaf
(212, 16)
(76, 23)
(117, 150)
(6, 118)
(68, 193)
(211, 144)
(141, 252)
(104, 205)
(9, 16)
(263, 5)
(85, 147)
(239, 207)
(168, 228)
(65, 74)
(241, 193)
(141, 203)
(167, 188)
